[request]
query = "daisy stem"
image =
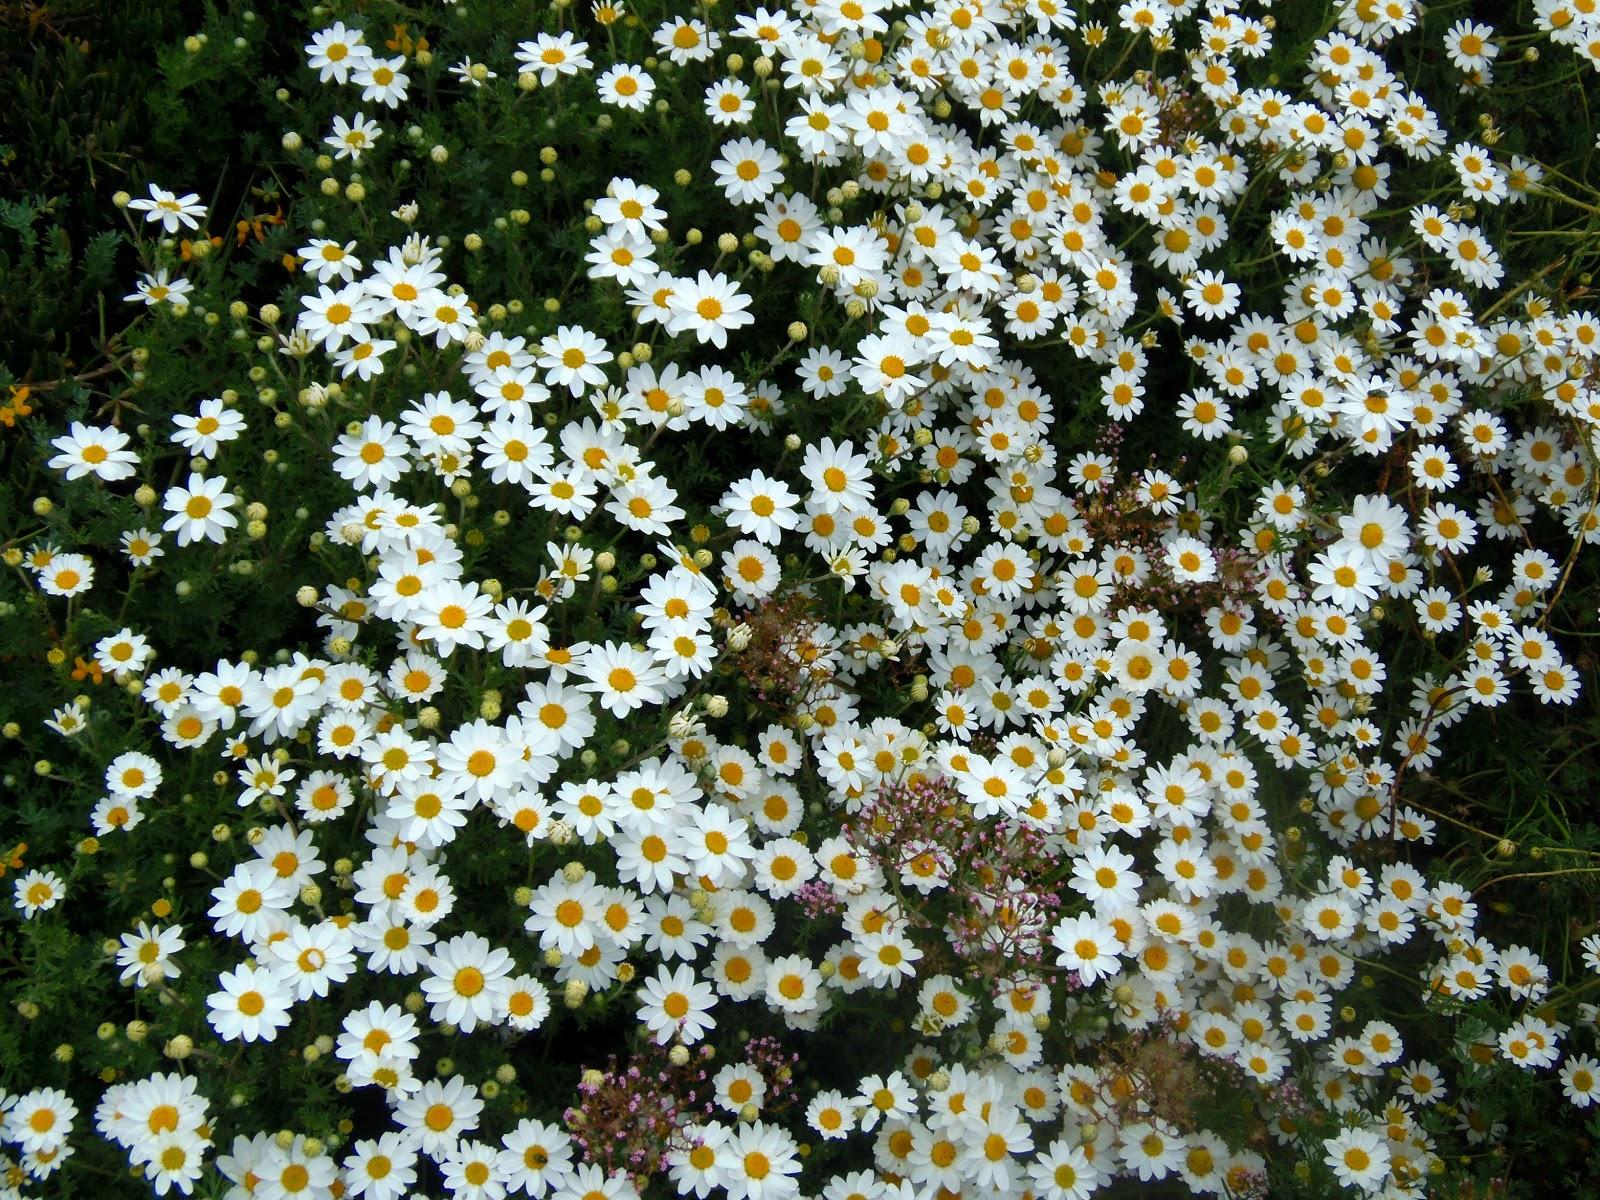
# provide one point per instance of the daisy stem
(1537, 875)
(1572, 558)
(1566, 199)
(1522, 287)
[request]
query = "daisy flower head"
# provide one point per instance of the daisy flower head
(200, 510)
(622, 677)
(761, 507)
(1087, 945)
(1152, 1149)
(467, 981)
(204, 432)
(630, 206)
(383, 1169)
(445, 317)
(472, 74)
(158, 287)
(1104, 875)
(352, 139)
(372, 455)
(686, 40)
(1580, 1080)
(311, 958)
(1063, 1171)
(333, 52)
(363, 359)
(536, 1157)
(112, 813)
(1205, 414)
(841, 479)
(251, 1004)
(1358, 1158)
(551, 56)
(133, 775)
(1190, 560)
(675, 1005)
(817, 128)
(849, 255)
(1343, 575)
(440, 1114)
(39, 1120)
(885, 365)
(888, 956)
(170, 210)
(626, 86)
(573, 358)
(727, 102)
(67, 575)
(812, 66)
(334, 315)
(472, 1170)
(709, 307)
(87, 450)
(750, 570)
(763, 1164)
(748, 170)
(326, 260)
(381, 80)
(37, 892)
(622, 255)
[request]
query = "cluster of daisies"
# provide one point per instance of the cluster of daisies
(1048, 604)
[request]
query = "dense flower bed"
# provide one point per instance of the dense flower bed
(865, 631)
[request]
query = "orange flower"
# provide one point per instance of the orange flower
(12, 859)
(17, 407)
(401, 40)
(257, 225)
(186, 248)
(87, 670)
